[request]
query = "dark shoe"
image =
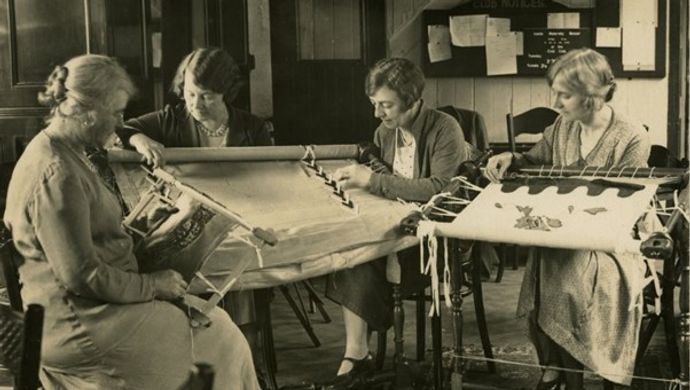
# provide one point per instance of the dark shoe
(356, 378)
(554, 384)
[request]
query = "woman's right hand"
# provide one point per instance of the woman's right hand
(168, 285)
(497, 166)
(151, 151)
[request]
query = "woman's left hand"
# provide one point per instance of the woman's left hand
(353, 176)
(151, 151)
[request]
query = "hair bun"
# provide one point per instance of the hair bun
(612, 89)
(55, 91)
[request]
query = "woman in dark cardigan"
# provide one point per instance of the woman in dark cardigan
(207, 80)
(424, 148)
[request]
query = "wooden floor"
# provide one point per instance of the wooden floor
(299, 360)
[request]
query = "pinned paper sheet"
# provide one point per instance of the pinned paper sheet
(438, 33)
(500, 54)
(468, 30)
(439, 43)
(497, 26)
(608, 37)
(638, 12)
(439, 51)
(563, 20)
(520, 43)
(639, 47)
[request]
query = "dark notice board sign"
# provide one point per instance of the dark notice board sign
(530, 17)
(542, 46)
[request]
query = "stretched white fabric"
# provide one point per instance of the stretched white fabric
(572, 220)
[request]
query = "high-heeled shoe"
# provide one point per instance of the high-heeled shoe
(553, 384)
(353, 379)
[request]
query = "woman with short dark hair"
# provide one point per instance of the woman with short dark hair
(423, 149)
(207, 80)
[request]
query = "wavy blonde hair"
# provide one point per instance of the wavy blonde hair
(587, 73)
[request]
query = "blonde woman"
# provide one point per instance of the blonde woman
(581, 305)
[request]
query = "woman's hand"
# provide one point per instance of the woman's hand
(354, 175)
(168, 285)
(497, 166)
(151, 151)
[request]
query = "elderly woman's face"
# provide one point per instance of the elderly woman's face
(110, 118)
(204, 104)
(569, 103)
(389, 108)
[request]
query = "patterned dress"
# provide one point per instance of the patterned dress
(588, 302)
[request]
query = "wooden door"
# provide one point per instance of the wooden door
(37, 35)
(321, 52)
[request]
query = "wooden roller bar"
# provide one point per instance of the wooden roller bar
(627, 172)
(245, 153)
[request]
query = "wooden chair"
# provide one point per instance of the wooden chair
(467, 283)
(532, 121)
(20, 332)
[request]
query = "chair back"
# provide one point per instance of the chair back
(20, 344)
(9, 259)
(532, 121)
(661, 157)
(473, 126)
(20, 332)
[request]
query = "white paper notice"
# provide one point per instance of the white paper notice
(439, 51)
(638, 47)
(519, 43)
(468, 30)
(497, 26)
(608, 37)
(439, 43)
(563, 20)
(500, 54)
(638, 12)
(438, 33)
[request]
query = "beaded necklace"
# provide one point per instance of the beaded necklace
(219, 132)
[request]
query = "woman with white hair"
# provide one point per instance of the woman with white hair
(107, 326)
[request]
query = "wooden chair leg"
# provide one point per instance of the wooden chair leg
(437, 348)
(421, 326)
(381, 344)
(300, 316)
(515, 256)
(267, 363)
(501, 266)
(478, 296)
(314, 299)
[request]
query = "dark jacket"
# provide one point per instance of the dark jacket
(174, 127)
